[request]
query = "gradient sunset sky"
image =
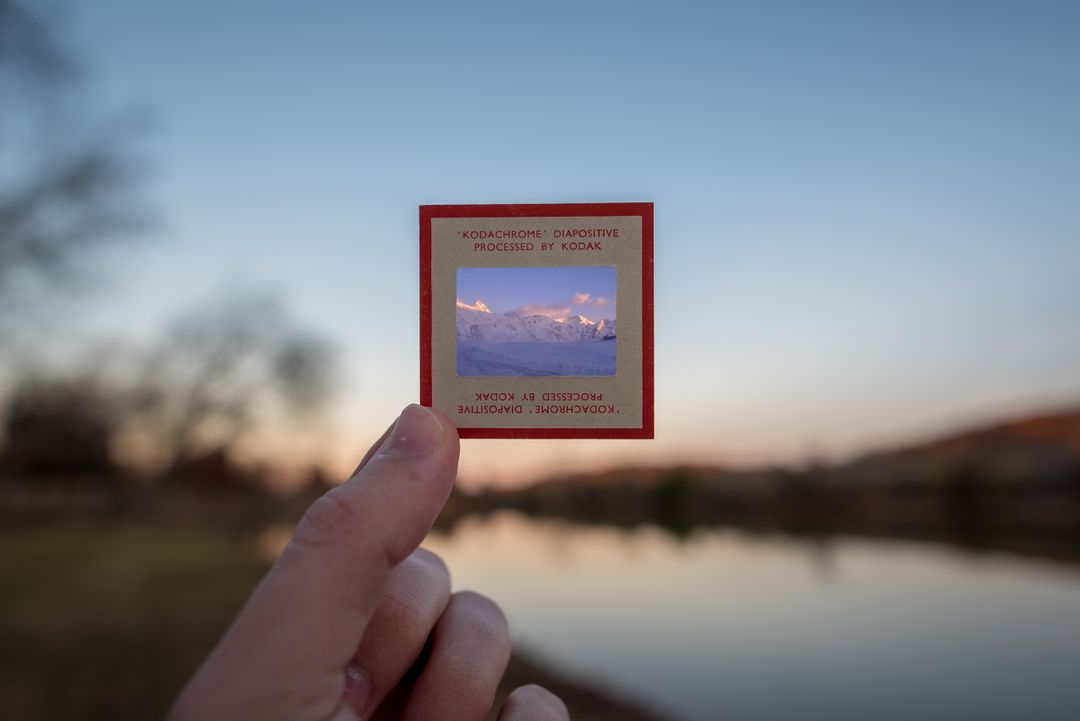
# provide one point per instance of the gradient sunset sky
(867, 223)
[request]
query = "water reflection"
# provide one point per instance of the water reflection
(724, 625)
(720, 624)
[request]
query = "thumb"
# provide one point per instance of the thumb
(307, 617)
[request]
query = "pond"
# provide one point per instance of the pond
(725, 625)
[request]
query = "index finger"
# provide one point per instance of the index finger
(306, 619)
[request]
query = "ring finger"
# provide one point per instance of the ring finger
(470, 648)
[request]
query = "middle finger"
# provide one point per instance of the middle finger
(415, 597)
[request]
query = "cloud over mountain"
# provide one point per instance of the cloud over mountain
(561, 310)
(589, 299)
(555, 311)
(478, 305)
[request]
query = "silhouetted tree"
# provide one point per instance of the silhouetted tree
(57, 427)
(65, 185)
(221, 370)
(213, 470)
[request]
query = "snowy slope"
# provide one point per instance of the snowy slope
(536, 358)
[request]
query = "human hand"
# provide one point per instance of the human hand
(337, 628)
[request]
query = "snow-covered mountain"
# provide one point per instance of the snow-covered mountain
(477, 323)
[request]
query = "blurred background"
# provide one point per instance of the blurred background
(864, 494)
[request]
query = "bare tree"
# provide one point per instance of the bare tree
(65, 187)
(223, 369)
(59, 427)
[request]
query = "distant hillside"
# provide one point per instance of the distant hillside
(1012, 485)
(1039, 449)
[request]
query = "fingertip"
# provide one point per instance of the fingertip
(418, 432)
(533, 703)
(448, 439)
(451, 433)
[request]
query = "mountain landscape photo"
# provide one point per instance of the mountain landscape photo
(535, 339)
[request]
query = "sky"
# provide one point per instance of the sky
(867, 213)
(557, 293)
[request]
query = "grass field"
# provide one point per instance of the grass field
(106, 621)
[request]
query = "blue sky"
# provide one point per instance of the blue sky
(867, 221)
(554, 292)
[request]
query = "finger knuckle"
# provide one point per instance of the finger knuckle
(432, 560)
(326, 520)
(420, 580)
(402, 617)
(480, 614)
(414, 599)
(469, 676)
